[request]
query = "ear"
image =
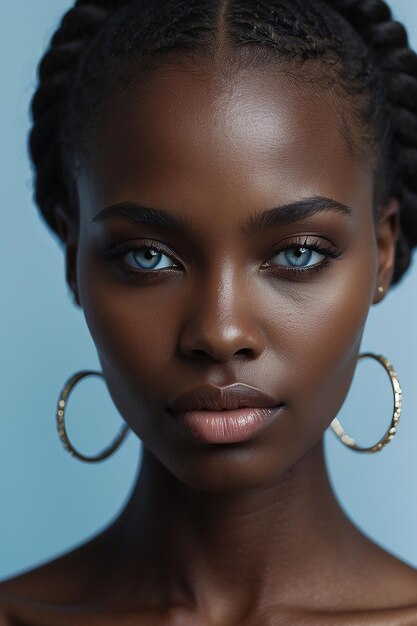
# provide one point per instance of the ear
(387, 232)
(68, 233)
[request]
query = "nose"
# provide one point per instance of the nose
(223, 323)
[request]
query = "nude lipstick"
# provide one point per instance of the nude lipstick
(224, 414)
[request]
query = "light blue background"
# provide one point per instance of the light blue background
(50, 502)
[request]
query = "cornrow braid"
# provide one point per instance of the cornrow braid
(388, 42)
(76, 29)
(99, 41)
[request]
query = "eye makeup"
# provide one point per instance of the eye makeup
(306, 245)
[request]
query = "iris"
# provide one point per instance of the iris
(147, 258)
(298, 257)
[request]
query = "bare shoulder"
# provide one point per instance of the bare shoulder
(27, 599)
(63, 580)
(395, 580)
(389, 591)
(393, 584)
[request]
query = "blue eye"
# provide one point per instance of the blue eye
(147, 258)
(298, 257)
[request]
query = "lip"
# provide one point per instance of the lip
(213, 398)
(224, 414)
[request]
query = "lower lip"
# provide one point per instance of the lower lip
(230, 426)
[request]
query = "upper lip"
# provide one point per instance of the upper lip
(215, 398)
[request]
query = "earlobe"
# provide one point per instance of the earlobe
(69, 236)
(387, 232)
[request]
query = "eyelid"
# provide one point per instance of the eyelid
(118, 250)
(320, 245)
(162, 255)
(312, 242)
(121, 249)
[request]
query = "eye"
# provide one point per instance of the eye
(148, 258)
(298, 257)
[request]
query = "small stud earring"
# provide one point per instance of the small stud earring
(381, 289)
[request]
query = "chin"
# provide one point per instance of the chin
(232, 468)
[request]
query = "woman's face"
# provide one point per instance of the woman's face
(220, 300)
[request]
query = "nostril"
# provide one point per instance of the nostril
(244, 352)
(200, 352)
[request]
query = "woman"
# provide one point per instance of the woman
(234, 186)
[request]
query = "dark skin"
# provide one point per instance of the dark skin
(247, 533)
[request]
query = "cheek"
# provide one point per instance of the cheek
(318, 338)
(132, 327)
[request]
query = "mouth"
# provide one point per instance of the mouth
(224, 414)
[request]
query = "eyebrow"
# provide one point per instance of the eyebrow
(257, 223)
(293, 212)
(143, 215)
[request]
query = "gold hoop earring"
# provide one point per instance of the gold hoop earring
(392, 429)
(60, 416)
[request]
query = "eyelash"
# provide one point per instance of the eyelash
(330, 252)
(119, 251)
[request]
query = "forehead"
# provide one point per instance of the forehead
(190, 134)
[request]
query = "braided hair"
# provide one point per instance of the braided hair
(353, 45)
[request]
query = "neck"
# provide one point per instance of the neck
(245, 548)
